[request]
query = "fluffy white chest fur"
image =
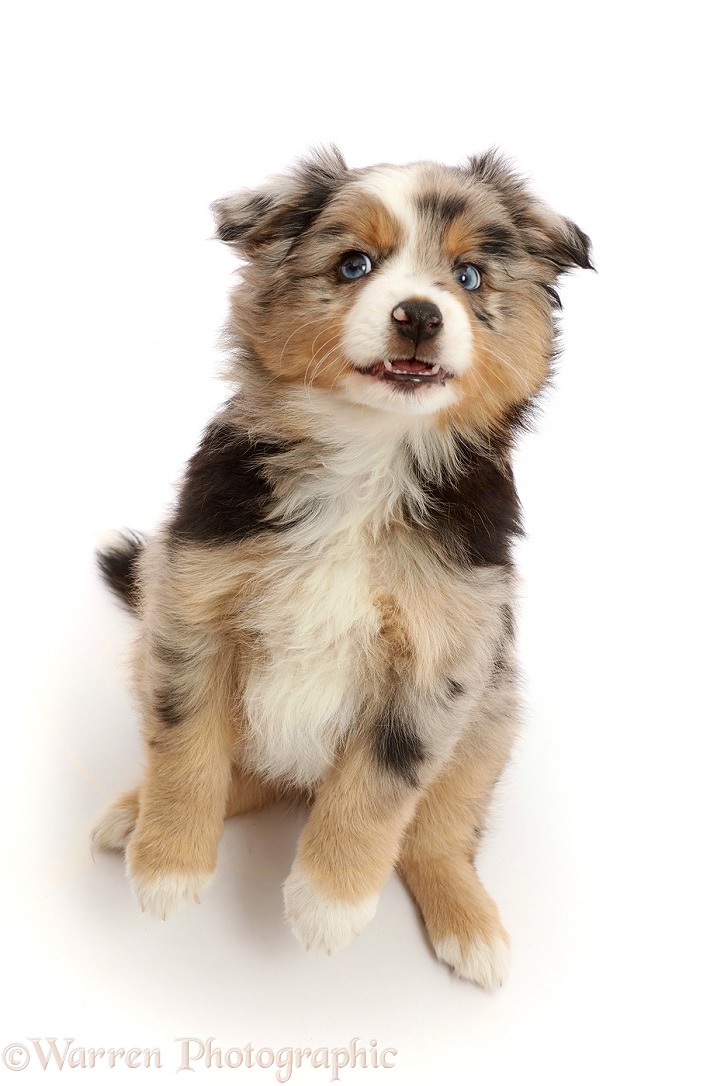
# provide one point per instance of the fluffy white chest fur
(314, 617)
(313, 628)
(319, 602)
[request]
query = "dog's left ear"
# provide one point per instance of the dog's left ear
(545, 234)
(262, 222)
(554, 238)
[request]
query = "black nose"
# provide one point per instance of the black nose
(417, 320)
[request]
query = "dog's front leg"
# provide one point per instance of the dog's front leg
(353, 837)
(171, 854)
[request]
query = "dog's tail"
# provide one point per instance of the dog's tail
(118, 560)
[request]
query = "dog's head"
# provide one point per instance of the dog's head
(418, 290)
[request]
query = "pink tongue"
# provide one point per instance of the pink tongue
(410, 365)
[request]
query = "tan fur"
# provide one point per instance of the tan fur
(507, 371)
(370, 225)
(183, 798)
(438, 853)
(247, 793)
(360, 816)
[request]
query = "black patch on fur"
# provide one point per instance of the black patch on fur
(231, 231)
(454, 688)
(256, 207)
(169, 706)
(475, 514)
(397, 746)
(225, 494)
(118, 565)
(498, 241)
(170, 698)
(441, 206)
(501, 663)
(567, 246)
(575, 249)
(494, 169)
(287, 211)
(170, 655)
(320, 176)
(567, 250)
(553, 294)
(519, 417)
(508, 621)
(298, 219)
(333, 230)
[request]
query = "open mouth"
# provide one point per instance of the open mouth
(409, 371)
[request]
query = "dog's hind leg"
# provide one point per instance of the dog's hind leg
(247, 793)
(114, 827)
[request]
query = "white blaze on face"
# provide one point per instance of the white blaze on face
(368, 329)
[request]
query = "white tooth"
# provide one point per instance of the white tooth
(388, 365)
(435, 370)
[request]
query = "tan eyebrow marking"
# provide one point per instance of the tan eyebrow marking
(365, 218)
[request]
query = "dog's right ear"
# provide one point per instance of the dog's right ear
(257, 222)
(546, 235)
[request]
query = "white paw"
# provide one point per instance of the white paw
(166, 894)
(112, 830)
(320, 922)
(484, 963)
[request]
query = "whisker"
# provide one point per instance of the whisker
(312, 358)
(299, 327)
(319, 362)
(323, 365)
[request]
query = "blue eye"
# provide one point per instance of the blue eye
(468, 276)
(355, 266)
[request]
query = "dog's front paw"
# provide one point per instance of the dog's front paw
(319, 921)
(160, 886)
(484, 960)
(163, 895)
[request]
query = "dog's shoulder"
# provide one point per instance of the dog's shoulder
(226, 490)
(473, 509)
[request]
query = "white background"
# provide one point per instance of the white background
(122, 123)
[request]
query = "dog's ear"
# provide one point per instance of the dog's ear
(546, 235)
(255, 222)
(555, 239)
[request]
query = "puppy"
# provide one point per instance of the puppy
(329, 611)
